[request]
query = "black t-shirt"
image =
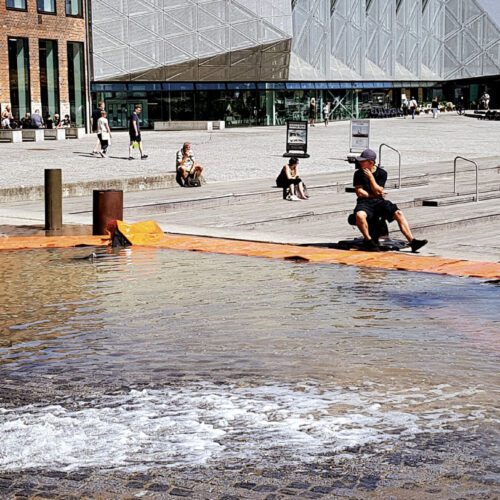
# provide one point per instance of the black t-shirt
(133, 118)
(360, 179)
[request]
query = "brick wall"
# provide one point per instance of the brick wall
(35, 26)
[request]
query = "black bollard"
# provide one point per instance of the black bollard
(107, 207)
(53, 199)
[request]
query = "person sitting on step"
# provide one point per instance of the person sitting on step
(369, 182)
(288, 179)
(186, 167)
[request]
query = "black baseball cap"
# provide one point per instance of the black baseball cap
(367, 154)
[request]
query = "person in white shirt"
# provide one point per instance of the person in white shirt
(413, 107)
(103, 133)
(186, 166)
(326, 113)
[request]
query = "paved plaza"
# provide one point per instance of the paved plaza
(240, 202)
(250, 153)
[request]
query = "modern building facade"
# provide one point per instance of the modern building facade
(43, 58)
(260, 61)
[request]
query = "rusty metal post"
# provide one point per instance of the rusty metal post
(53, 199)
(107, 207)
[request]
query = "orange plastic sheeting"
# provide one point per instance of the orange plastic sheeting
(385, 260)
(34, 242)
(141, 233)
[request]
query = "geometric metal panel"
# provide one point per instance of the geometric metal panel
(266, 40)
(191, 39)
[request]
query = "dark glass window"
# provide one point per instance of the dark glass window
(16, 4)
(76, 82)
(74, 8)
(49, 77)
(46, 6)
(19, 76)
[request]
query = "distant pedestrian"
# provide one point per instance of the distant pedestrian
(485, 100)
(435, 107)
(36, 119)
(7, 117)
(96, 116)
(404, 107)
(413, 108)
(312, 111)
(103, 133)
(57, 120)
(326, 113)
(134, 131)
(49, 121)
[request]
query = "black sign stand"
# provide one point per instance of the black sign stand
(296, 139)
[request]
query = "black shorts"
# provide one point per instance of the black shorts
(135, 138)
(377, 208)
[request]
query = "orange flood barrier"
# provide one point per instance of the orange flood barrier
(149, 234)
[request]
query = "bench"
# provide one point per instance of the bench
(33, 134)
(56, 134)
(75, 132)
(8, 135)
(189, 125)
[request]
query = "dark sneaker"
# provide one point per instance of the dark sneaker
(417, 244)
(370, 246)
(143, 157)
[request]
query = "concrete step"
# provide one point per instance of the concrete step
(78, 189)
(460, 198)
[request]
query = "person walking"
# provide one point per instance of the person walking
(485, 100)
(413, 107)
(435, 107)
(103, 133)
(134, 131)
(96, 116)
(404, 107)
(312, 111)
(326, 113)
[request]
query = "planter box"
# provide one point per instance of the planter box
(11, 135)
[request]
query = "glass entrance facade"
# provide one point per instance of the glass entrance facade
(251, 103)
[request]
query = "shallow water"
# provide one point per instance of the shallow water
(152, 358)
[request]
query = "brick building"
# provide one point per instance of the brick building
(43, 57)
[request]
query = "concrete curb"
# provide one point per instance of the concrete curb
(35, 193)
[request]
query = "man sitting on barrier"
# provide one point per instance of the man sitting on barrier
(188, 171)
(369, 182)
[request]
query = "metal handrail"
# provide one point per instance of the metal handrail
(399, 155)
(455, 174)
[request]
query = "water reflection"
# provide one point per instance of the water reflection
(192, 327)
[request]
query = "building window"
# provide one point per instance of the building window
(46, 6)
(74, 8)
(17, 4)
(76, 82)
(19, 76)
(49, 77)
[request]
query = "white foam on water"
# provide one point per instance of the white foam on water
(206, 423)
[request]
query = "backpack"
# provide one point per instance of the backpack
(192, 181)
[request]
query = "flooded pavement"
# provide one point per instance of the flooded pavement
(151, 373)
